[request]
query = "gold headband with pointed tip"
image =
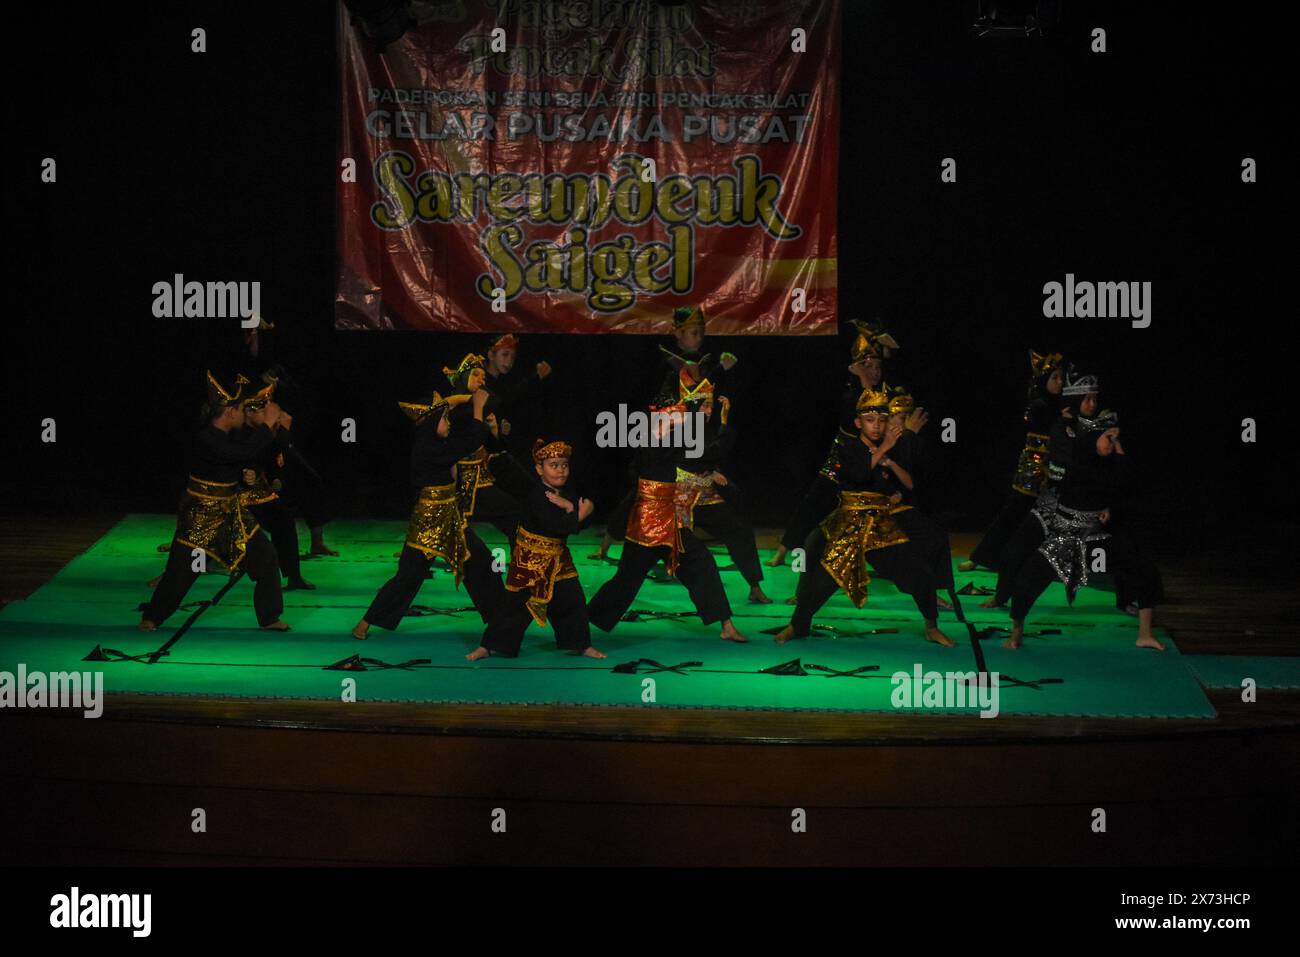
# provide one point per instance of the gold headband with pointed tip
(543, 450)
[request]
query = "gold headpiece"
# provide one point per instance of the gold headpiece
(459, 376)
(1044, 364)
(260, 398)
(689, 390)
(219, 397)
(543, 450)
(869, 341)
(900, 400)
(873, 400)
(508, 341)
(418, 412)
(686, 316)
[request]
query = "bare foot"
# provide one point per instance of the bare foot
(1017, 636)
(757, 597)
(777, 559)
(932, 633)
(990, 602)
(784, 635)
(594, 653)
(477, 653)
(967, 566)
(147, 625)
(1150, 641)
(729, 633)
(362, 630)
(943, 602)
(276, 625)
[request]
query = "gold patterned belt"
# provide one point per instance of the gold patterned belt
(202, 488)
(537, 562)
(437, 527)
(1031, 470)
(259, 493)
(472, 474)
(213, 518)
(653, 520)
(861, 523)
(692, 490)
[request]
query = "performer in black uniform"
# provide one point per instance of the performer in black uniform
(862, 529)
(542, 582)
(512, 394)
(1042, 412)
(686, 351)
(916, 522)
(711, 501)
(1075, 533)
(655, 529)
(481, 499)
(1079, 414)
(212, 514)
(263, 496)
(871, 345)
(437, 527)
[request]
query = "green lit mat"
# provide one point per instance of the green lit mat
(1229, 671)
(1090, 669)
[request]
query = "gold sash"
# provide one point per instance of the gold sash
(536, 564)
(213, 517)
(861, 523)
(437, 528)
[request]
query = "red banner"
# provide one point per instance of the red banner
(588, 165)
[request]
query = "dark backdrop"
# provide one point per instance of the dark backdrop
(1115, 166)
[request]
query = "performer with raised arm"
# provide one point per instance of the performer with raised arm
(481, 499)
(871, 345)
(1042, 411)
(655, 530)
(710, 500)
(862, 529)
(213, 516)
(512, 392)
(1076, 530)
(437, 527)
(542, 583)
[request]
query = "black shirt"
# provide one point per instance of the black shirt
(542, 517)
(432, 456)
(222, 456)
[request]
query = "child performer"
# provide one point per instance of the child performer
(1097, 473)
(655, 530)
(437, 527)
(861, 530)
(213, 516)
(1042, 411)
(542, 582)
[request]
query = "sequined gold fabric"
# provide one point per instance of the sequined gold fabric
(472, 474)
(860, 523)
(653, 520)
(437, 528)
(1032, 468)
(214, 518)
(536, 564)
(691, 492)
(259, 493)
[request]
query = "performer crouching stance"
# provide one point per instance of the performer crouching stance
(542, 582)
(437, 528)
(213, 515)
(654, 530)
(861, 529)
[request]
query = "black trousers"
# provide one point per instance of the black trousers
(988, 552)
(398, 593)
(1016, 553)
(1138, 573)
(931, 539)
(616, 520)
(724, 522)
(696, 570)
(819, 501)
(905, 565)
(277, 517)
(566, 613)
(499, 509)
(178, 577)
(303, 492)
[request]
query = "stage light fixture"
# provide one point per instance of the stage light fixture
(1016, 18)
